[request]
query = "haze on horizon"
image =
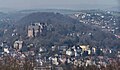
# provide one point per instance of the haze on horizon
(59, 4)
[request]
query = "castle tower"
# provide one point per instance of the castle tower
(30, 31)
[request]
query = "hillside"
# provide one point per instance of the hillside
(46, 17)
(65, 30)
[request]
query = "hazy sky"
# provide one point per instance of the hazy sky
(56, 4)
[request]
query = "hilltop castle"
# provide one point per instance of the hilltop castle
(36, 29)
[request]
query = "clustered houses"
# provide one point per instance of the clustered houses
(77, 55)
(106, 21)
(80, 55)
(36, 29)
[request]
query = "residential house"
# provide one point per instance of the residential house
(18, 45)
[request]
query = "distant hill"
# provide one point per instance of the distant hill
(64, 25)
(117, 9)
(3, 15)
(62, 11)
(48, 17)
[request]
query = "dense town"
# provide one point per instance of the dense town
(58, 57)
